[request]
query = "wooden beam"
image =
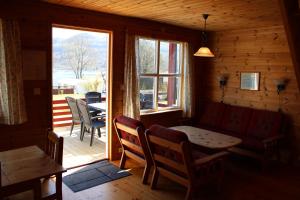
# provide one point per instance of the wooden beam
(289, 11)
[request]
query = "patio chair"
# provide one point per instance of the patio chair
(132, 138)
(173, 157)
(88, 121)
(75, 113)
(93, 97)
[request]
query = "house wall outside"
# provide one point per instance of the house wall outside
(264, 50)
(36, 19)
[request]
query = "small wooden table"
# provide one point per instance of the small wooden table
(25, 165)
(98, 106)
(208, 139)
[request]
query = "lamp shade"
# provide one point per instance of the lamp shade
(204, 52)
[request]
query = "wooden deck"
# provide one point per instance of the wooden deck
(78, 152)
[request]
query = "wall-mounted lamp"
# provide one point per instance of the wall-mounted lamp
(222, 82)
(280, 84)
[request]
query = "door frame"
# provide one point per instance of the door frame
(109, 81)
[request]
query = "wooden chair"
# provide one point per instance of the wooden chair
(52, 186)
(88, 121)
(132, 138)
(75, 113)
(174, 158)
(19, 188)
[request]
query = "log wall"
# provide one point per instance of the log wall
(263, 50)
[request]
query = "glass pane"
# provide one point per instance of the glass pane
(169, 58)
(147, 57)
(168, 92)
(147, 87)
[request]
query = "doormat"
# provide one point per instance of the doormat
(93, 175)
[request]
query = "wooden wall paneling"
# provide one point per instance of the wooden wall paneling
(261, 50)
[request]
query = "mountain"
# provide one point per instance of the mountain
(97, 45)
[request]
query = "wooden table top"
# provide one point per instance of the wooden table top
(26, 164)
(208, 139)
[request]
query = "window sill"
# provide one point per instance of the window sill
(160, 111)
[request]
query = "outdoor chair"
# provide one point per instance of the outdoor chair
(89, 122)
(93, 97)
(174, 158)
(75, 113)
(132, 138)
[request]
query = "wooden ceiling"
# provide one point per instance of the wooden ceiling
(224, 14)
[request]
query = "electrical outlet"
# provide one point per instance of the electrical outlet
(36, 91)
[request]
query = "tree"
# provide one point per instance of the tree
(79, 54)
(146, 56)
(103, 76)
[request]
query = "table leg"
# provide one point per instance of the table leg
(59, 186)
(37, 190)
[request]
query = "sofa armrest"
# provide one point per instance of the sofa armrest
(210, 158)
(272, 139)
(271, 144)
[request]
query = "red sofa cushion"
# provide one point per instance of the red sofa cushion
(132, 123)
(235, 120)
(212, 115)
(264, 124)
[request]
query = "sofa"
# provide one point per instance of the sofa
(260, 130)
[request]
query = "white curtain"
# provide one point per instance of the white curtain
(188, 101)
(131, 104)
(12, 105)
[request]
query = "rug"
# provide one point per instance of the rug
(93, 175)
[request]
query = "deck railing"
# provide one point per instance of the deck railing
(61, 113)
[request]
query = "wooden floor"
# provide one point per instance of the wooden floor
(241, 182)
(78, 152)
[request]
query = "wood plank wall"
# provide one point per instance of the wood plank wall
(36, 20)
(263, 50)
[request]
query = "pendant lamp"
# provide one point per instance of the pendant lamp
(204, 51)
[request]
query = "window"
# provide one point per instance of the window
(160, 73)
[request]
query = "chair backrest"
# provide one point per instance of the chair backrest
(170, 152)
(74, 109)
(131, 135)
(84, 112)
(54, 146)
(93, 97)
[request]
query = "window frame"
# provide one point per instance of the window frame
(157, 75)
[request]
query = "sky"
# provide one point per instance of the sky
(64, 33)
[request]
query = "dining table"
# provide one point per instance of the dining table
(23, 166)
(207, 138)
(101, 106)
